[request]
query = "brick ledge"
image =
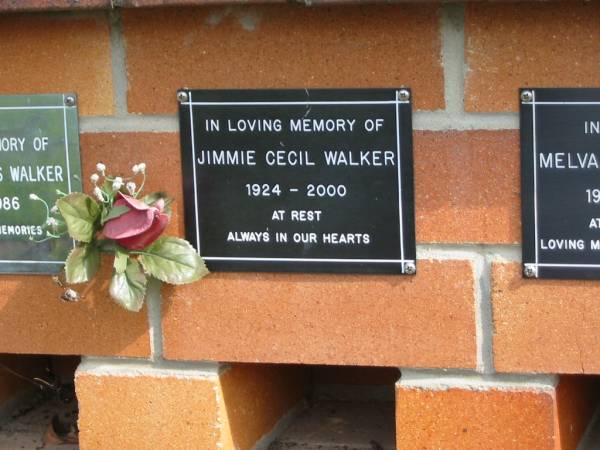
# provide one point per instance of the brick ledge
(67, 5)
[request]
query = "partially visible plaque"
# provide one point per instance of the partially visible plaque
(560, 163)
(299, 180)
(39, 154)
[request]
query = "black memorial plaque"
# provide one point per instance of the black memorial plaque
(560, 182)
(316, 180)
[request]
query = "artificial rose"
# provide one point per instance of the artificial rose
(138, 227)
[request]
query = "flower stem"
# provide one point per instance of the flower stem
(139, 191)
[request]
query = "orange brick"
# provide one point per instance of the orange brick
(353, 375)
(34, 320)
(48, 54)
(505, 417)
(548, 326)
(421, 321)
(282, 46)
(466, 419)
(508, 46)
(256, 397)
(467, 186)
(145, 408)
(120, 151)
(145, 412)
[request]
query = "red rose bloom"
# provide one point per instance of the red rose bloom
(140, 226)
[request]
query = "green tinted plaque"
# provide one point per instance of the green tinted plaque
(39, 153)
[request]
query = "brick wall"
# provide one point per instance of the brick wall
(467, 308)
(464, 69)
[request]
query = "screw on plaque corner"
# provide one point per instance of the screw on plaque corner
(410, 268)
(182, 96)
(70, 100)
(403, 95)
(527, 96)
(530, 271)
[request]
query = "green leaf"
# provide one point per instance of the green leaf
(120, 263)
(173, 261)
(128, 289)
(113, 213)
(80, 212)
(151, 199)
(82, 264)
